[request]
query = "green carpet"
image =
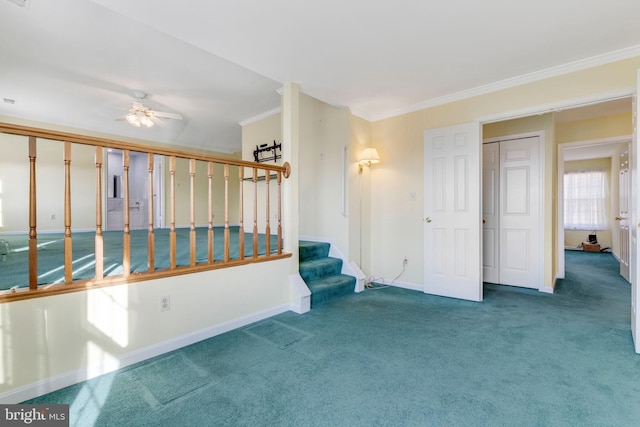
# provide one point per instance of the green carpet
(395, 357)
(14, 268)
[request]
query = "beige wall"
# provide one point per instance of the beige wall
(596, 128)
(397, 227)
(14, 189)
(201, 185)
(263, 131)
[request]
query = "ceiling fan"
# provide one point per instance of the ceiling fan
(142, 115)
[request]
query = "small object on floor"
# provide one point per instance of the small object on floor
(591, 247)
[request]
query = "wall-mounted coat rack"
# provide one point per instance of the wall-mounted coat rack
(266, 152)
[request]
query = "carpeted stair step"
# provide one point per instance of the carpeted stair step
(317, 268)
(313, 250)
(330, 287)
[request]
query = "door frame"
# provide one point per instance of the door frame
(560, 274)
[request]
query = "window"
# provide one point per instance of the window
(585, 197)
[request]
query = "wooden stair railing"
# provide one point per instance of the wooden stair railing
(68, 284)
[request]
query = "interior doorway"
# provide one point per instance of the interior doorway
(140, 202)
(587, 136)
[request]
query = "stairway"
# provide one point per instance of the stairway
(322, 274)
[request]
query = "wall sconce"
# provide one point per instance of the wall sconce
(369, 157)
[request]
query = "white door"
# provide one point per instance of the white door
(634, 160)
(490, 211)
(623, 213)
(520, 213)
(452, 228)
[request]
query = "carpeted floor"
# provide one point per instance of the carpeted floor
(395, 357)
(14, 267)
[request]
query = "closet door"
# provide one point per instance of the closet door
(520, 213)
(490, 211)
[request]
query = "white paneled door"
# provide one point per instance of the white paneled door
(623, 213)
(452, 222)
(511, 212)
(520, 213)
(490, 212)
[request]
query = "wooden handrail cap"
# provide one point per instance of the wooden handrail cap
(287, 169)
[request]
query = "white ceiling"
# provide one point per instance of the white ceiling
(77, 62)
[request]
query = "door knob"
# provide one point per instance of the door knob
(619, 218)
(428, 219)
(484, 221)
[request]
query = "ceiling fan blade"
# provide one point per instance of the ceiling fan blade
(173, 116)
(156, 120)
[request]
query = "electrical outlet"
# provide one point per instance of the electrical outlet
(405, 261)
(165, 303)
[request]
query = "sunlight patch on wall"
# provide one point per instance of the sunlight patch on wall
(108, 311)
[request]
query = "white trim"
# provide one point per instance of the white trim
(407, 285)
(299, 294)
(69, 378)
(560, 70)
(360, 277)
(260, 116)
(560, 274)
(541, 135)
(557, 106)
(547, 289)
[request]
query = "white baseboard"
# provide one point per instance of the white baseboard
(69, 378)
(407, 285)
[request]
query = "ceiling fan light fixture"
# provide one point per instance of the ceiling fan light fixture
(146, 121)
(139, 118)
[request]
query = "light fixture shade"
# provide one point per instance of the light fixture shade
(369, 156)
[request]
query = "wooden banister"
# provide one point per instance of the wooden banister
(105, 276)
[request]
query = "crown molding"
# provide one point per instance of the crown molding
(582, 64)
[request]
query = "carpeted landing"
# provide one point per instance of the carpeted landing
(395, 357)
